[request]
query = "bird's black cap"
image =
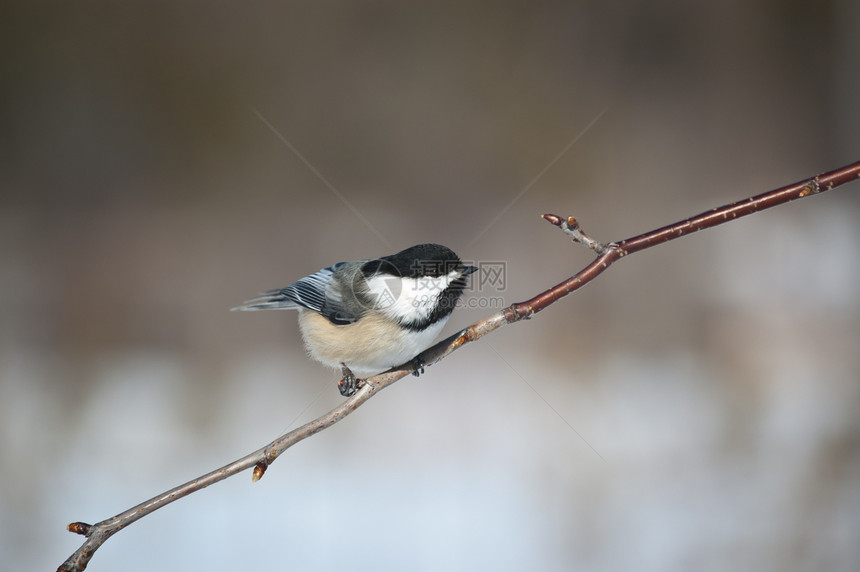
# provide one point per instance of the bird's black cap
(416, 262)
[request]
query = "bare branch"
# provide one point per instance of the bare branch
(260, 459)
(714, 217)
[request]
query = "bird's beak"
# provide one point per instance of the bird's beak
(468, 270)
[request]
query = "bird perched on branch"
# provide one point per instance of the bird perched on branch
(367, 316)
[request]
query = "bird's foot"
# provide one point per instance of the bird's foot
(349, 384)
(418, 366)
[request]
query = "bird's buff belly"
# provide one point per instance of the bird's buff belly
(367, 347)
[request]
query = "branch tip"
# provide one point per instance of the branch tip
(570, 226)
(81, 528)
(552, 219)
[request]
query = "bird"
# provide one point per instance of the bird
(367, 316)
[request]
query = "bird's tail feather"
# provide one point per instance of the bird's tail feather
(271, 300)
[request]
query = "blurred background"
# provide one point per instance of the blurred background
(695, 408)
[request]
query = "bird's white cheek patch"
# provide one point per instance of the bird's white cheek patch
(409, 299)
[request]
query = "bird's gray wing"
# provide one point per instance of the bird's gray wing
(319, 292)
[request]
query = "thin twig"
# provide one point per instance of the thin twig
(260, 459)
(576, 234)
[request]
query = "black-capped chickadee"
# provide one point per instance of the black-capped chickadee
(367, 316)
